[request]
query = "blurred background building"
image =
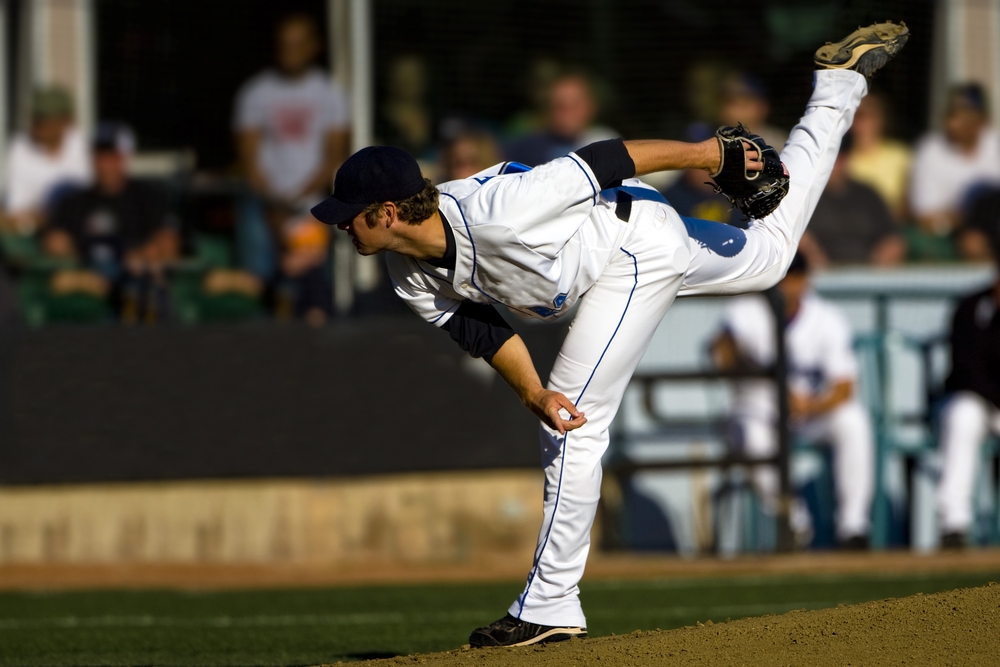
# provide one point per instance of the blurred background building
(147, 155)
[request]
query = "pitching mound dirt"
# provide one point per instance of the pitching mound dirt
(954, 628)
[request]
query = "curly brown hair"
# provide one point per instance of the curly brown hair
(412, 210)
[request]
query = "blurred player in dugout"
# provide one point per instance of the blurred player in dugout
(972, 410)
(822, 380)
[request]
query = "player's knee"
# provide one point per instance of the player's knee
(851, 421)
(964, 409)
(851, 411)
(757, 438)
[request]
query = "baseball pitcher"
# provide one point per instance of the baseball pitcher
(583, 228)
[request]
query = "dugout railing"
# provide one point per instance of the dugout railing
(910, 433)
(903, 433)
(623, 467)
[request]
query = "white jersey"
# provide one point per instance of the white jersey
(293, 117)
(818, 345)
(532, 240)
(943, 175)
(32, 173)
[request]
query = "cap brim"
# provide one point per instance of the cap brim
(332, 211)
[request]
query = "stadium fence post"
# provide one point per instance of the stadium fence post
(786, 541)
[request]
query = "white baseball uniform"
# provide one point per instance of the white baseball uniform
(971, 412)
(966, 420)
(819, 353)
(537, 241)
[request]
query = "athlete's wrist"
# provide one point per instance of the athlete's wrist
(531, 394)
(712, 155)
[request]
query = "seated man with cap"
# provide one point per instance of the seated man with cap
(823, 398)
(119, 230)
(44, 163)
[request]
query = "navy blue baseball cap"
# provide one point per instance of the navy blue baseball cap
(799, 263)
(372, 175)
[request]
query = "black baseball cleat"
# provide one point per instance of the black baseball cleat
(866, 50)
(855, 543)
(953, 541)
(510, 631)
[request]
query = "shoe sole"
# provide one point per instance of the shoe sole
(888, 36)
(555, 635)
(551, 635)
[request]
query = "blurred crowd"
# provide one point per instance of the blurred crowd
(88, 240)
(85, 238)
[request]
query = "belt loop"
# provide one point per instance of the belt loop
(623, 209)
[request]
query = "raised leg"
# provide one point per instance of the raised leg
(726, 260)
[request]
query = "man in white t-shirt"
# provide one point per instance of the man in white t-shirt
(292, 126)
(949, 163)
(293, 122)
(822, 380)
(50, 156)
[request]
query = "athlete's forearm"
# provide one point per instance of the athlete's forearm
(652, 155)
(838, 394)
(513, 362)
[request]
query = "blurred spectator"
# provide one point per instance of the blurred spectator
(406, 119)
(468, 153)
(703, 83)
(305, 290)
(823, 374)
(51, 157)
(851, 224)
(979, 238)
(293, 132)
(875, 160)
(693, 196)
(948, 164)
(973, 408)
(542, 73)
(572, 112)
(118, 230)
(744, 100)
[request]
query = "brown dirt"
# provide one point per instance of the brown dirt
(600, 566)
(952, 628)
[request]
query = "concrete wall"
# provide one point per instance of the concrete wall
(441, 517)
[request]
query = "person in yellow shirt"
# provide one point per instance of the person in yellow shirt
(876, 161)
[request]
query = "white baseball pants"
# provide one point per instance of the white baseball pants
(965, 422)
(617, 318)
(848, 430)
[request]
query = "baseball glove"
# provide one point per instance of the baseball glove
(755, 193)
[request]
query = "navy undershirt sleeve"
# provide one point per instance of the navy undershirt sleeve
(478, 329)
(609, 160)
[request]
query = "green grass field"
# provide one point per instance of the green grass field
(311, 626)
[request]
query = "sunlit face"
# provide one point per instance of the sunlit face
(793, 287)
(297, 47)
(750, 110)
(368, 240)
(571, 107)
(49, 131)
(963, 123)
(869, 120)
(463, 159)
(109, 169)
